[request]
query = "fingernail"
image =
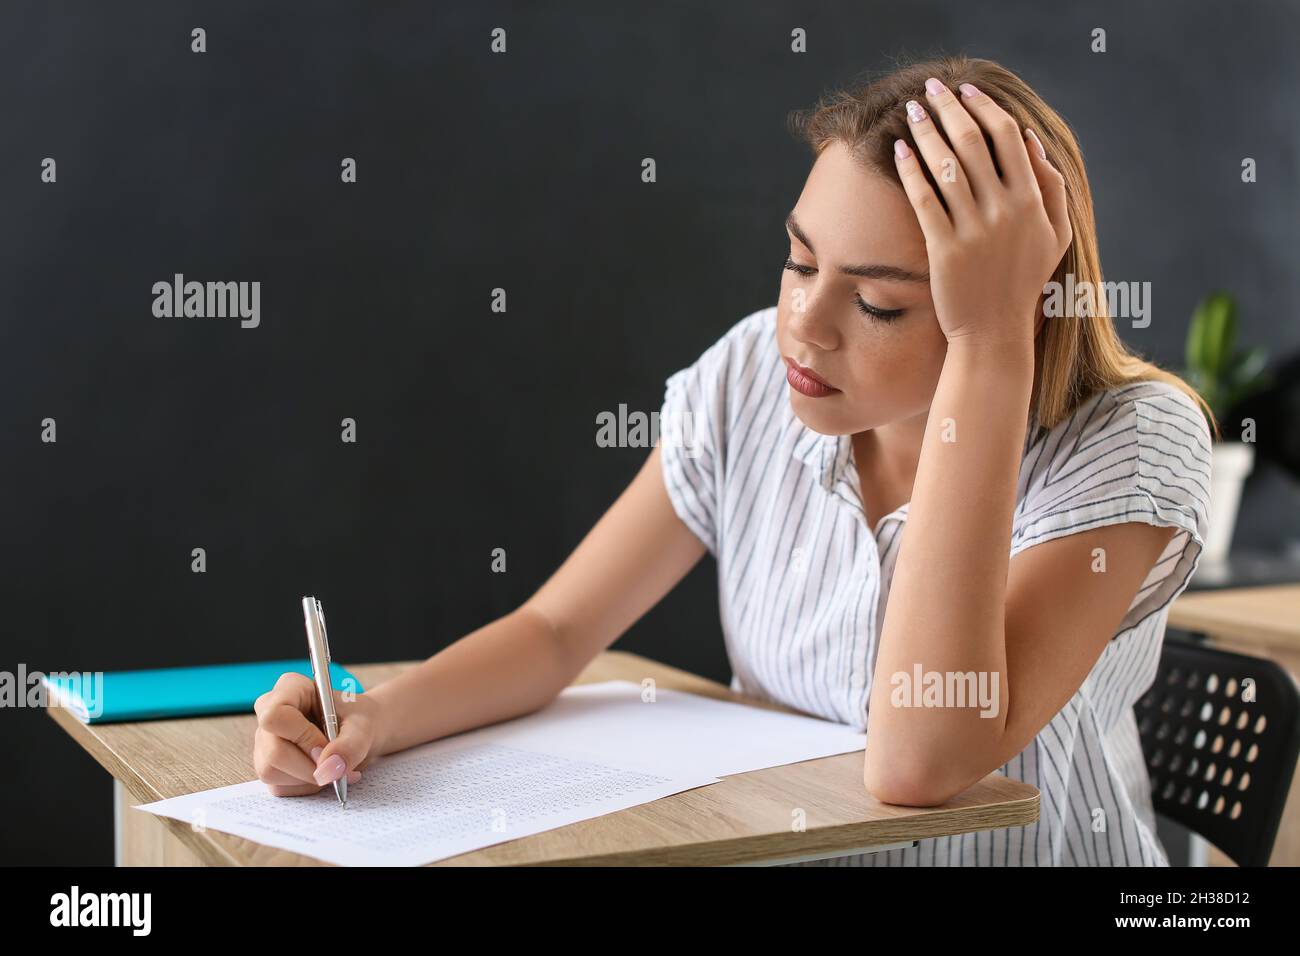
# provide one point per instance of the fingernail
(1038, 143)
(967, 90)
(901, 150)
(330, 770)
(315, 754)
(915, 111)
(354, 776)
(933, 86)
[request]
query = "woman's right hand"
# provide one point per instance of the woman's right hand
(291, 753)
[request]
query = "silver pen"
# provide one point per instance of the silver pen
(318, 646)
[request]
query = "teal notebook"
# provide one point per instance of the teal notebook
(177, 691)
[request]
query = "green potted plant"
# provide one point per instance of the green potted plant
(1223, 375)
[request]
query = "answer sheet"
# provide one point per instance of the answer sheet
(596, 749)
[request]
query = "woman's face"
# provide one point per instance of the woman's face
(856, 250)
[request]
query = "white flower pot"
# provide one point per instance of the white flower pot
(1233, 461)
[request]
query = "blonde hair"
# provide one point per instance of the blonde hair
(1075, 358)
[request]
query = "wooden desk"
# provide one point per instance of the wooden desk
(1252, 617)
(1261, 622)
(745, 819)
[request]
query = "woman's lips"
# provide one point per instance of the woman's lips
(805, 381)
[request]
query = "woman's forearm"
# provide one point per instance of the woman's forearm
(505, 669)
(947, 601)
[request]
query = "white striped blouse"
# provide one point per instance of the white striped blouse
(803, 581)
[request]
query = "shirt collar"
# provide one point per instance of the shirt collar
(827, 455)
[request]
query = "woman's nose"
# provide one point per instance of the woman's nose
(810, 323)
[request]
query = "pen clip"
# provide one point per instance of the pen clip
(324, 634)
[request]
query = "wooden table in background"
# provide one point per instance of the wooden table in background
(745, 819)
(1261, 622)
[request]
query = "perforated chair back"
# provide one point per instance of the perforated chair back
(1220, 733)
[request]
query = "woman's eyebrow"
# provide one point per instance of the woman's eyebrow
(889, 273)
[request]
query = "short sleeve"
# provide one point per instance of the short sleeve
(691, 440)
(1135, 453)
(699, 403)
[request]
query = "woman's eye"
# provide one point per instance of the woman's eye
(865, 307)
(885, 315)
(798, 269)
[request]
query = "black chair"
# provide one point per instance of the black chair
(1221, 766)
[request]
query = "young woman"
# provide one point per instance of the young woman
(903, 468)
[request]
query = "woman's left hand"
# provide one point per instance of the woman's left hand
(1001, 237)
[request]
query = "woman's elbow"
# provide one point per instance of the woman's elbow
(908, 784)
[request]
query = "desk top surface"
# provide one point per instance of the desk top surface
(745, 818)
(1267, 615)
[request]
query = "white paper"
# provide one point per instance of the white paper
(596, 749)
(674, 731)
